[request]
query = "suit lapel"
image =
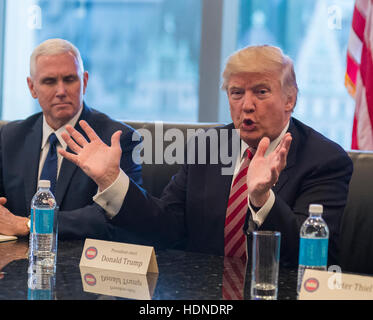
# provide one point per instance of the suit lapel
(66, 172)
(291, 158)
(67, 167)
(32, 147)
(224, 181)
(220, 177)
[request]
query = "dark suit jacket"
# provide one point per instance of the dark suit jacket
(79, 216)
(193, 205)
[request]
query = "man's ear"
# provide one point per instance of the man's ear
(85, 81)
(30, 84)
(290, 103)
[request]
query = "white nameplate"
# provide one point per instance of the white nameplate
(118, 284)
(324, 285)
(118, 256)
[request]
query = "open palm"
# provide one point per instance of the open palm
(98, 160)
(263, 171)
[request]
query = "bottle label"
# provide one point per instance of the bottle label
(43, 220)
(313, 252)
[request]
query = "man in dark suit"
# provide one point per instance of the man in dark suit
(58, 80)
(288, 166)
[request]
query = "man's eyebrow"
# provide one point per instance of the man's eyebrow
(261, 84)
(46, 78)
(49, 78)
(72, 75)
(234, 87)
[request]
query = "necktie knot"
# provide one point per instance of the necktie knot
(53, 139)
(250, 153)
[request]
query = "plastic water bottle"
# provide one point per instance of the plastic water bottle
(313, 247)
(41, 286)
(43, 231)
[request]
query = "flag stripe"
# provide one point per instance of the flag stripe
(354, 143)
(364, 126)
(352, 68)
(362, 6)
(358, 23)
(366, 71)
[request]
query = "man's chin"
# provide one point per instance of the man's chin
(252, 139)
(65, 112)
(60, 119)
(64, 116)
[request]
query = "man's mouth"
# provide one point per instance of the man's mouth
(60, 104)
(248, 124)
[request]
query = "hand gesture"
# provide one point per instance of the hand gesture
(11, 251)
(10, 224)
(98, 160)
(263, 172)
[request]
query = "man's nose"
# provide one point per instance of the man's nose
(249, 103)
(60, 89)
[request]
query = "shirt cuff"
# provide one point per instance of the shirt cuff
(260, 215)
(111, 199)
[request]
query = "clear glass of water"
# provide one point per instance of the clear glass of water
(265, 265)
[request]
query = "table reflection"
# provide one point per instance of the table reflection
(182, 276)
(234, 276)
(11, 251)
(41, 286)
(118, 284)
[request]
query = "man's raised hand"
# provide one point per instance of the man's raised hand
(263, 172)
(98, 160)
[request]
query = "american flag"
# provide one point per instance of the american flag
(359, 74)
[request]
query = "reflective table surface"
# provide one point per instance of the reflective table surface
(182, 276)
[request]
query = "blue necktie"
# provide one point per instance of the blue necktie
(49, 171)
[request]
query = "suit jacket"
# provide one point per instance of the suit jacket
(78, 216)
(193, 205)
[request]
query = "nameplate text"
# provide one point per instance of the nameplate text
(118, 256)
(326, 285)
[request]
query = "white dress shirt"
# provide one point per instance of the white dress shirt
(47, 131)
(111, 199)
(260, 215)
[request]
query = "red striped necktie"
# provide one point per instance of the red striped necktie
(234, 237)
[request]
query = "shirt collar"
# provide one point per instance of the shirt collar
(272, 146)
(47, 130)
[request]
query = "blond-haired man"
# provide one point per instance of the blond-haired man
(290, 166)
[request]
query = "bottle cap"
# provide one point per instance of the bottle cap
(44, 184)
(316, 209)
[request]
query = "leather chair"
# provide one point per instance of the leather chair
(356, 235)
(157, 176)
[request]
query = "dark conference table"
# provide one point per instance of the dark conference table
(182, 276)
